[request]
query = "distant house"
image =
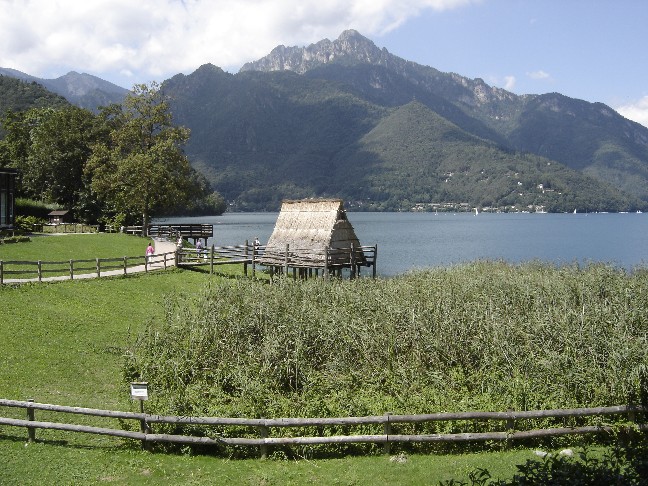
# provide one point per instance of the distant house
(7, 189)
(60, 216)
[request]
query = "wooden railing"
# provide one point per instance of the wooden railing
(71, 268)
(220, 255)
(65, 228)
(187, 231)
(328, 260)
(264, 427)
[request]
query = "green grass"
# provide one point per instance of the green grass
(61, 249)
(64, 343)
(75, 246)
(63, 464)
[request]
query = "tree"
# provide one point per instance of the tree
(60, 146)
(142, 169)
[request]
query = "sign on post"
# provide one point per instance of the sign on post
(139, 390)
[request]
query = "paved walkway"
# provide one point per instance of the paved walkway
(161, 245)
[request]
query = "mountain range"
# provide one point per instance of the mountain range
(83, 90)
(347, 119)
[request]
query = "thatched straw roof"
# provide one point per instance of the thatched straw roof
(311, 227)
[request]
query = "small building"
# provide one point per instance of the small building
(7, 202)
(315, 234)
(60, 216)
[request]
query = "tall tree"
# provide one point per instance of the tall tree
(142, 169)
(60, 147)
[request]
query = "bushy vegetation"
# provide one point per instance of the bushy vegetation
(625, 463)
(127, 161)
(484, 336)
(31, 207)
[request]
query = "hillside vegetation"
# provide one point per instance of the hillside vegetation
(325, 120)
(484, 336)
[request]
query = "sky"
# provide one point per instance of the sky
(595, 50)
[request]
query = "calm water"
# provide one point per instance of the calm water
(416, 240)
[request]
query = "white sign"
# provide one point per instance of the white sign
(139, 391)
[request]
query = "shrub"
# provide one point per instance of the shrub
(485, 336)
(14, 239)
(37, 209)
(625, 464)
(28, 224)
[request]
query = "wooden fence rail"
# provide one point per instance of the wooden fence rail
(69, 268)
(219, 255)
(264, 426)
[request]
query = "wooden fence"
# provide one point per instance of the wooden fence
(66, 228)
(220, 255)
(291, 258)
(174, 230)
(69, 268)
(264, 427)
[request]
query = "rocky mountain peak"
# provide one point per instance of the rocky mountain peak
(349, 47)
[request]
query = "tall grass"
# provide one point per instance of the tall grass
(483, 336)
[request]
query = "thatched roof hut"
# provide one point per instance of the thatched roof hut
(312, 229)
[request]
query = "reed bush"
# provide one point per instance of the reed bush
(481, 336)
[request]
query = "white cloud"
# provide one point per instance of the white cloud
(509, 82)
(637, 111)
(540, 74)
(152, 39)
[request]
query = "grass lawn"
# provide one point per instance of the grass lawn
(63, 343)
(75, 246)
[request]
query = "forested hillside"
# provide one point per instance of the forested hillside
(260, 137)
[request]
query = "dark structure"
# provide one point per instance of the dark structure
(60, 216)
(7, 190)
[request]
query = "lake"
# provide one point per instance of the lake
(416, 240)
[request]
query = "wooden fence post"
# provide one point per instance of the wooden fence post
(326, 261)
(98, 268)
(31, 416)
(375, 258)
(254, 254)
(510, 426)
(286, 260)
(264, 432)
(125, 264)
(71, 269)
(1, 272)
(211, 260)
(144, 427)
(40, 271)
(387, 430)
(353, 262)
(246, 258)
